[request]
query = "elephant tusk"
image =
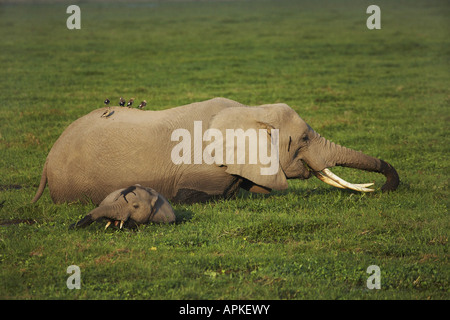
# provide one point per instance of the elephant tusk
(356, 187)
(324, 178)
(115, 224)
(333, 183)
(329, 177)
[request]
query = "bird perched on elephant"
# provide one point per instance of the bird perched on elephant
(130, 207)
(179, 152)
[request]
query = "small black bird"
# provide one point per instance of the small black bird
(130, 102)
(107, 101)
(121, 102)
(142, 105)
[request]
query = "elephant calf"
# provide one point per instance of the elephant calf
(130, 207)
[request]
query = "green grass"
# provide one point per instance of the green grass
(385, 92)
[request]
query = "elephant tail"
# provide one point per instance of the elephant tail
(41, 184)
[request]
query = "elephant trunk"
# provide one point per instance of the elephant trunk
(328, 154)
(104, 211)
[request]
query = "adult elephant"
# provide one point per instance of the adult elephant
(173, 152)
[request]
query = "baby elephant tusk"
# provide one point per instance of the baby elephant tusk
(115, 223)
(329, 177)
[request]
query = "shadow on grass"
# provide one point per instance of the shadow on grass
(9, 222)
(183, 215)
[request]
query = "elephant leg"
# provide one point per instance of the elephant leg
(253, 187)
(190, 196)
(202, 188)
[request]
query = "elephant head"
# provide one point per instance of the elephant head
(130, 207)
(302, 151)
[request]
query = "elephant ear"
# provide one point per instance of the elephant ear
(248, 129)
(153, 195)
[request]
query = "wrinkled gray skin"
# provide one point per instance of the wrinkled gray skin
(98, 154)
(130, 207)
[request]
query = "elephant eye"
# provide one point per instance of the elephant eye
(305, 138)
(136, 205)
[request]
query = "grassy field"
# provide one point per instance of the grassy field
(385, 92)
